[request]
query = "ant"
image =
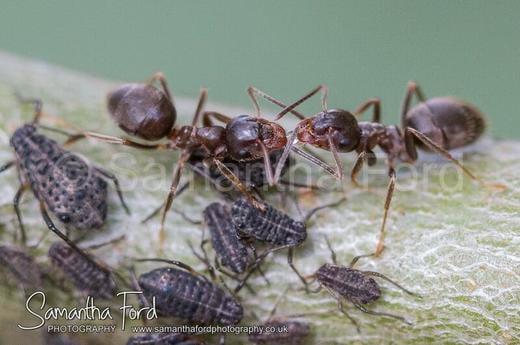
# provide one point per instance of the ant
(140, 109)
(437, 124)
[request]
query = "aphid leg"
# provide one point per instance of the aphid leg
(208, 115)
(259, 268)
(313, 211)
(371, 312)
(339, 165)
(7, 166)
(375, 103)
(314, 91)
(290, 255)
(341, 308)
(299, 185)
(333, 256)
(177, 171)
(388, 200)
(356, 259)
(16, 205)
(159, 76)
(253, 92)
(203, 258)
(234, 277)
(237, 183)
(143, 301)
(48, 221)
(203, 96)
(382, 276)
(114, 179)
(277, 302)
(38, 105)
(177, 263)
(156, 211)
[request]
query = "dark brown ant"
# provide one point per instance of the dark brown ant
(438, 124)
(245, 138)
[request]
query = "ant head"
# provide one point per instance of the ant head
(142, 110)
(339, 125)
(245, 134)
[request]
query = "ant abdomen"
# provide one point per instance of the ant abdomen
(448, 121)
(142, 110)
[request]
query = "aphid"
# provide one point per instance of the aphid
(22, 266)
(244, 138)
(353, 285)
(64, 184)
(188, 295)
(272, 226)
(286, 332)
(89, 277)
(230, 250)
(438, 124)
(281, 331)
(162, 339)
(51, 338)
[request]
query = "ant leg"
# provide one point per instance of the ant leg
(411, 89)
(237, 183)
(7, 166)
(158, 209)
(375, 103)
(379, 275)
(285, 155)
(332, 252)
(435, 147)
(290, 255)
(356, 258)
(185, 155)
(300, 185)
(253, 92)
(389, 193)
(112, 140)
(341, 308)
(267, 164)
(356, 169)
(38, 105)
(114, 179)
(371, 312)
(313, 211)
(207, 115)
(314, 91)
(16, 205)
(203, 96)
(159, 76)
(339, 166)
(48, 221)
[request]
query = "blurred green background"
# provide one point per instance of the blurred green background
(360, 49)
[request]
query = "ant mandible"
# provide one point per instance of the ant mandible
(437, 124)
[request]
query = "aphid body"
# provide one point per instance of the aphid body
(22, 266)
(271, 225)
(230, 250)
(87, 277)
(188, 296)
(350, 283)
(162, 339)
(69, 187)
(286, 332)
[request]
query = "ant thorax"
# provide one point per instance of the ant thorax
(389, 138)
